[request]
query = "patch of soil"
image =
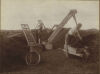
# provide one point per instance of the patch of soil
(12, 50)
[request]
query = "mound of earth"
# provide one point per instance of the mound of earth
(17, 45)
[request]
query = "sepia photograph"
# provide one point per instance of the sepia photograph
(49, 37)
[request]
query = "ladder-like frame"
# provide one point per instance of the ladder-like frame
(29, 57)
(28, 34)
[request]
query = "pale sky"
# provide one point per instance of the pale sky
(16, 12)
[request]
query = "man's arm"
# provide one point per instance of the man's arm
(79, 35)
(66, 39)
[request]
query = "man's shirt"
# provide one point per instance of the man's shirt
(72, 31)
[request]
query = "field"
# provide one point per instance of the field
(52, 62)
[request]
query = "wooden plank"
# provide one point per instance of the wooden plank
(60, 26)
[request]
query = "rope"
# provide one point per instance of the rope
(76, 24)
(75, 19)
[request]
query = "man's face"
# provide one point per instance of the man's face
(79, 26)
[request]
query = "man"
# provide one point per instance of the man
(74, 41)
(39, 31)
(40, 25)
(73, 36)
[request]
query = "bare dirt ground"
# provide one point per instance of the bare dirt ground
(52, 62)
